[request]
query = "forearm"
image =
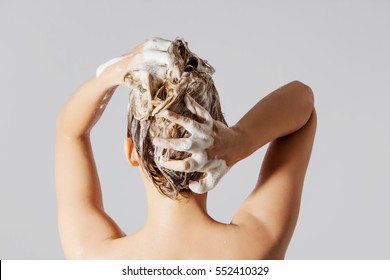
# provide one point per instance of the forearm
(280, 113)
(83, 223)
(85, 107)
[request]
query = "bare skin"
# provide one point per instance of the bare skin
(261, 228)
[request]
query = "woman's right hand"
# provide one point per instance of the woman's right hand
(211, 145)
(151, 53)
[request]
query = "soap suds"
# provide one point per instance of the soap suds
(156, 43)
(197, 144)
(102, 67)
(160, 77)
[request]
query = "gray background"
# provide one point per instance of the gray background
(340, 48)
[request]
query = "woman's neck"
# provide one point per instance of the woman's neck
(166, 212)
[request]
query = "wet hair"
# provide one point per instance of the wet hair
(153, 93)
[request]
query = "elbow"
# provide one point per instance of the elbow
(306, 96)
(305, 92)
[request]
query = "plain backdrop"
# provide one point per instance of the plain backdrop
(339, 48)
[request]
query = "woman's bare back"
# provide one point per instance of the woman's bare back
(210, 240)
(263, 225)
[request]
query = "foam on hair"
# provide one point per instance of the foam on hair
(153, 92)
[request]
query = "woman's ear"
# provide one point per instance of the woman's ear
(131, 153)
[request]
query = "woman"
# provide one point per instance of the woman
(178, 138)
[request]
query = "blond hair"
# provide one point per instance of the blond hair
(151, 95)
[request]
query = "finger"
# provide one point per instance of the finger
(188, 103)
(174, 74)
(200, 186)
(197, 187)
(214, 173)
(151, 58)
(137, 78)
(205, 184)
(156, 43)
(179, 144)
(157, 57)
(184, 165)
(198, 110)
(189, 124)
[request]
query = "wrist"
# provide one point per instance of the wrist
(106, 80)
(239, 144)
(111, 73)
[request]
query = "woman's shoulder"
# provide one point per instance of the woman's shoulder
(208, 241)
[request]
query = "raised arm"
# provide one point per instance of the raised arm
(282, 112)
(85, 228)
(287, 119)
(213, 144)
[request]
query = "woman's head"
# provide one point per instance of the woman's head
(151, 95)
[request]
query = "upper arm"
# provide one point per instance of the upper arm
(274, 204)
(83, 223)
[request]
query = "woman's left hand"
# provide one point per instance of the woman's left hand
(207, 144)
(152, 53)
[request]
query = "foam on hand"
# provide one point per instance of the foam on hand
(197, 144)
(160, 76)
(103, 67)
